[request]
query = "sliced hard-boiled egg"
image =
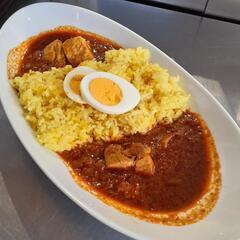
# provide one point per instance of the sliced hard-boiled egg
(109, 93)
(71, 84)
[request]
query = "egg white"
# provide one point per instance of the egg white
(66, 84)
(130, 95)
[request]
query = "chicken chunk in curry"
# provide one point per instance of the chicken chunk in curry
(77, 49)
(145, 165)
(135, 155)
(53, 54)
(137, 150)
(116, 159)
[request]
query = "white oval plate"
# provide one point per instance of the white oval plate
(222, 223)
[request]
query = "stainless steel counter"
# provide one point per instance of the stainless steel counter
(31, 207)
(224, 8)
(198, 5)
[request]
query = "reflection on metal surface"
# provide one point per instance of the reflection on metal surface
(10, 224)
(238, 115)
(215, 88)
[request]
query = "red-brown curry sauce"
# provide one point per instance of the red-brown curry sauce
(182, 170)
(33, 58)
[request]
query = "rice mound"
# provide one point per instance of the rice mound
(62, 124)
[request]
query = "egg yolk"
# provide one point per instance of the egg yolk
(74, 83)
(105, 91)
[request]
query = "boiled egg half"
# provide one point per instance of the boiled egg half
(71, 84)
(108, 93)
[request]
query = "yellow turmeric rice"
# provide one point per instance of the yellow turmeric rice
(61, 124)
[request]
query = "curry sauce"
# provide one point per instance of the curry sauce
(33, 58)
(182, 168)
